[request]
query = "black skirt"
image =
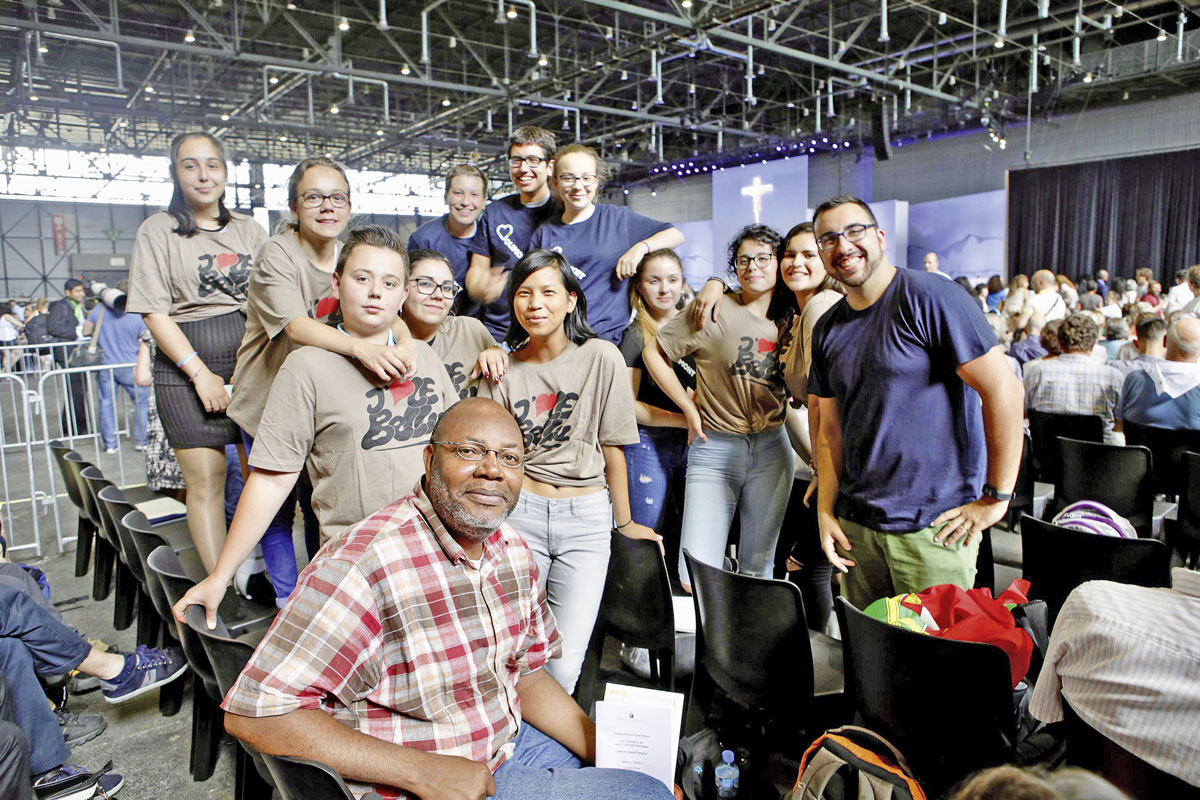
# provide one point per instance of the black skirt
(187, 424)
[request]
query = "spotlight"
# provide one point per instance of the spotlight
(691, 88)
(344, 25)
(998, 43)
(291, 6)
(1162, 35)
(43, 49)
(824, 140)
(835, 146)
(282, 138)
(149, 90)
(845, 144)
(405, 70)
(941, 18)
(654, 193)
(791, 104)
(274, 79)
(624, 75)
(224, 118)
(1087, 78)
(445, 101)
(190, 36)
(379, 131)
(626, 191)
(34, 97)
(543, 61)
(333, 109)
(686, 3)
(123, 123)
(511, 13)
(633, 106)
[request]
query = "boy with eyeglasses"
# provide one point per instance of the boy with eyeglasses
(920, 436)
(503, 234)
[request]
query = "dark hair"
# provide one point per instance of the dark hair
(71, 283)
(575, 325)
(1150, 326)
(763, 234)
(293, 185)
(1049, 337)
(373, 236)
(830, 283)
(531, 134)
(783, 300)
(185, 223)
(996, 284)
(1078, 334)
(841, 200)
(1089, 285)
(427, 255)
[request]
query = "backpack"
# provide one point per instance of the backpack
(1092, 517)
(853, 762)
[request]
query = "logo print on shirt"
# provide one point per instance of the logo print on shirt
(224, 272)
(400, 412)
(556, 429)
(504, 232)
(324, 307)
(757, 359)
(459, 376)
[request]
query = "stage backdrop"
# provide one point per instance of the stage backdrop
(775, 194)
(966, 232)
(1118, 214)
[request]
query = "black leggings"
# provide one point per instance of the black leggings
(801, 539)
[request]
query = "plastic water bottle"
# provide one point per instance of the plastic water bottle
(727, 775)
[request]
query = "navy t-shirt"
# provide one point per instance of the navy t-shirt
(434, 236)
(593, 248)
(648, 391)
(912, 431)
(503, 234)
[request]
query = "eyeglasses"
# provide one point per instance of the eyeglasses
(314, 199)
(533, 161)
(469, 451)
(428, 286)
(567, 179)
(762, 260)
(854, 233)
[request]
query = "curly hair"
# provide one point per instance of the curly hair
(1078, 334)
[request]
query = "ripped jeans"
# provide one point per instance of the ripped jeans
(654, 464)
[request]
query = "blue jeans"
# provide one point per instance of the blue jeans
(570, 539)
(752, 473)
(653, 464)
(541, 768)
(278, 549)
(138, 395)
(34, 642)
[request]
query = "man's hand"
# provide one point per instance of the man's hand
(708, 299)
(454, 778)
(832, 535)
(389, 363)
(969, 521)
(210, 388)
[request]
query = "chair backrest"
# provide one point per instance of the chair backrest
(1045, 428)
(302, 779)
(1055, 560)
(1189, 499)
(164, 564)
(60, 449)
(637, 594)
(93, 481)
(227, 655)
(1119, 477)
(947, 705)
(114, 507)
(75, 465)
(1167, 447)
(752, 639)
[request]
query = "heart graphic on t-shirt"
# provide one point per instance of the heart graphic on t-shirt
(401, 390)
(766, 346)
(544, 403)
(504, 231)
(326, 306)
(226, 260)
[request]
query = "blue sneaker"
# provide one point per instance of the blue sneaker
(146, 669)
(73, 782)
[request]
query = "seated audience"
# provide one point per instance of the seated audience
(1116, 335)
(1017, 783)
(1030, 347)
(1193, 282)
(1150, 345)
(1074, 383)
(1044, 299)
(1166, 393)
(1180, 295)
(1089, 298)
(1066, 288)
(411, 654)
(1112, 306)
(1018, 293)
(1126, 658)
(1004, 336)
(997, 291)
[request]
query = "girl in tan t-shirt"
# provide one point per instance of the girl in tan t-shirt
(570, 393)
(188, 279)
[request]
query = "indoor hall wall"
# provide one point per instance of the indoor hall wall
(679, 200)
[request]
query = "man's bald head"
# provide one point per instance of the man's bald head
(1042, 279)
(1183, 339)
(467, 412)
(931, 262)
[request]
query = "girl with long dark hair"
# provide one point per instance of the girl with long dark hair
(188, 278)
(569, 391)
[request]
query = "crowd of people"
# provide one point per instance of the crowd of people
(466, 418)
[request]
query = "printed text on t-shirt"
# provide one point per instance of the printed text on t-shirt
(416, 397)
(224, 272)
(756, 358)
(556, 429)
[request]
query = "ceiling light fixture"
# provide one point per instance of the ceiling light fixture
(511, 13)
(1162, 35)
(543, 61)
(405, 70)
(344, 25)
(379, 131)
(686, 3)
(998, 43)
(34, 97)
(224, 118)
(1087, 77)
(445, 101)
(43, 49)
(333, 109)
(149, 90)
(190, 36)
(274, 79)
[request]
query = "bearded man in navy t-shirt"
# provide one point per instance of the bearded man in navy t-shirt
(920, 418)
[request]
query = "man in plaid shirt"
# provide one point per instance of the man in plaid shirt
(1074, 382)
(409, 658)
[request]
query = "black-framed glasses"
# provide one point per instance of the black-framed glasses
(428, 286)
(469, 451)
(533, 161)
(313, 199)
(853, 233)
(762, 260)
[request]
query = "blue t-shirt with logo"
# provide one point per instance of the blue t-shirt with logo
(912, 431)
(118, 337)
(593, 248)
(434, 236)
(503, 235)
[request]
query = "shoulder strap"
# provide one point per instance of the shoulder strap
(95, 342)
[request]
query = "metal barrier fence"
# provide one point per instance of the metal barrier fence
(28, 401)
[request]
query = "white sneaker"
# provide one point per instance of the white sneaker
(109, 450)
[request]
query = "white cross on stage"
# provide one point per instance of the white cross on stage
(756, 190)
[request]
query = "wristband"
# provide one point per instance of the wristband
(186, 359)
(643, 241)
(626, 525)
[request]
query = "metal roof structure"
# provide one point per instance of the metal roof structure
(413, 87)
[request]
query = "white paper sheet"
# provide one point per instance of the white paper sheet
(638, 729)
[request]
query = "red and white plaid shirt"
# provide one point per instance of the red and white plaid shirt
(396, 633)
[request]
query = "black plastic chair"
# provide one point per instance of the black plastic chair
(947, 705)
(1056, 559)
(103, 570)
(302, 779)
(1045, 429)
(1167, 447)
(86, 529)
(228, 656)
(754, 646)
(1119, 477)
(125, 583)
(637, 610)
(151, 602)
(1022, 500)
(1183, 535)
